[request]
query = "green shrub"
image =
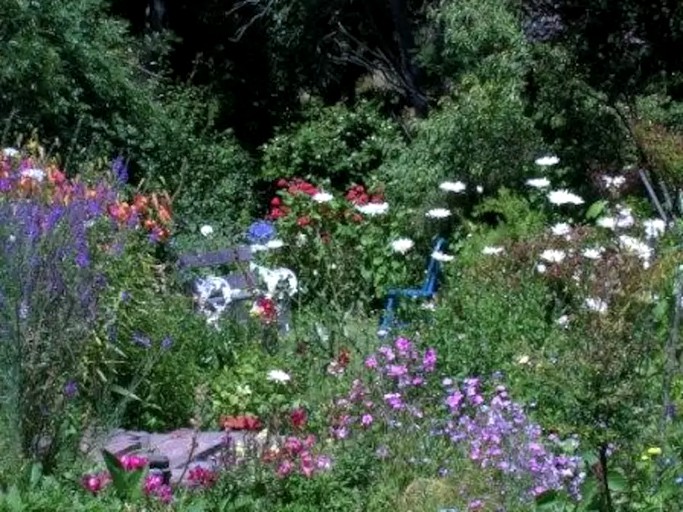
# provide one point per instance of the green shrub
(480, 132)
(334, 143)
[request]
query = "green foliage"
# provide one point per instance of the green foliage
(334, 143)
(244, 387)
(572, 116)
(480, 132)
(55, 77)
(165, 376)
(479, 37)
(481, 135)
(210, 175)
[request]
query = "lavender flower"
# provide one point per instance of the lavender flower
(141, 340)
(120, 170)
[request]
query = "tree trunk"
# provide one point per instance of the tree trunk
(406, 47)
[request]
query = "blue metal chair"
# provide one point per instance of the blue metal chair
(426, 292)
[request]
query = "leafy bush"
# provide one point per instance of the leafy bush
(334, 144)
(480, 131)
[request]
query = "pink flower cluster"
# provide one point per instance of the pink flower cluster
(202, 477)
(153, 484)
(399, 371)
(297, 456)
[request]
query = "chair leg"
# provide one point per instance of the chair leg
(387, 318)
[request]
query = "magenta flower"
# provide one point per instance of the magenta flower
(285, 468)
(429, 360)
(394, 400)
(403, 345)
(454, 401)
(132, 462)
(371, 362)
(396, 370)
(366, 420)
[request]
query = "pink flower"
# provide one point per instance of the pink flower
(454, 400)
(429, 360)
(293, 445)
(307, 464)
(94, 483)
(323, 462)
(153, 482)
(387, 352)
(154, 486)
(371, 362)
(394, 400)
(202, 477)
(366, 420)
(396, 370)
(285, 468)
(403, 345)
(132, 462)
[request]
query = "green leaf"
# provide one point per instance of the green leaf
(616, 481)
(548, 501)
(124, 392)
(596, 209)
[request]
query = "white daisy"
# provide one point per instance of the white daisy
(34, 174)
(553, 255)
(491, 250)
(614, 182)
(453, 186)
(275, 244)
(372, 209)
(637, 247)
(547, 161)
(206, 230)
(563, 196)
(541, 268)
(593, 253)
(624, 217)
(402, 245)
(480, 189)
(538, 182)
(10, 152)
(607, 222)
(561, 229)
(438, 213)
(595, 304)
(654, 227)
(278, 376)
(440, 256)
(322, 197)
(563, 320)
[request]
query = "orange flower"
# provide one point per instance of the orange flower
(140, 203)
(150, 224)
(55, 176)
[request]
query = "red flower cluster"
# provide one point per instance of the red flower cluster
(241, 422)
(298, 417)
(293, 187)
(359, 196)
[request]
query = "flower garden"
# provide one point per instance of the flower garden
(538, 377)
(339, 256)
